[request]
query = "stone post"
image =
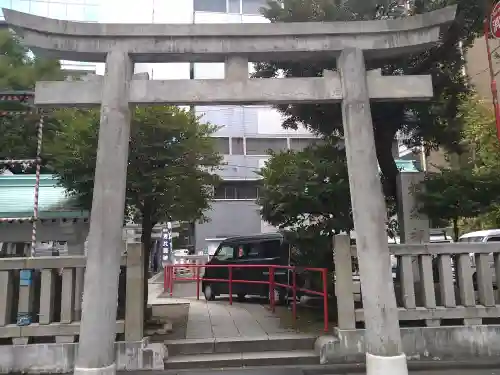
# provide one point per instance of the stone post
(384, 352)
(134, 306)
(96, 353)
(77, 247)
(413, 226)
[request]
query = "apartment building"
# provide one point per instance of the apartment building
(477, 66)
(73, 10)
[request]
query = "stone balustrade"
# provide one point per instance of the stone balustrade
(40, 298)
(434, 283)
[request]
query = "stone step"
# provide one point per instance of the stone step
(280, 342)
(222, 360)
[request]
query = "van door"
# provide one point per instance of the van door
(259, 253)
(224, 256)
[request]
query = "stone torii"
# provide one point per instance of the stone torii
(122, 45)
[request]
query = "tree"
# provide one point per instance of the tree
(307, 190)
(455, 194)
(480, 134)
(434, 122)
(19, 71)
(481, 140)
(170, 174)
(306, 193)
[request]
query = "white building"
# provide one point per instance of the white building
(247, 132)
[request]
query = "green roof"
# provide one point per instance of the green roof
(17, 198)
(406, 165)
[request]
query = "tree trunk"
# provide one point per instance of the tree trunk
(455, 230)
(147, 229)
(384, 137)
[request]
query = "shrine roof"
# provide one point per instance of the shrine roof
(17, 198)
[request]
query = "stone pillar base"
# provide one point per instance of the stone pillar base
(377, 365)
(108, 370)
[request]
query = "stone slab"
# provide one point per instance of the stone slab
(242, 359)
(78, 41)
(419, 343)
(60, 358)
(229, 92)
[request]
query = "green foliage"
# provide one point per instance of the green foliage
(435, 121)
(480, 134)
(456, 194)
(307, 191)
(171, 161)
(481, 139)
(19, 70)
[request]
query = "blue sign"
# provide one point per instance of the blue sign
(23, 319)
(25, 277)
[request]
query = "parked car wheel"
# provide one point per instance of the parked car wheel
(279, 296)
(209, 293)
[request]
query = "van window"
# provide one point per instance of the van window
(265, 249)
(494, 239)
(225, 253)
(471, 239)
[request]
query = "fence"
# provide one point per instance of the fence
(170, 278)
(40, 298)
(434, 283)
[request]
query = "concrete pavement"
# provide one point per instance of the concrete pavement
(307, 370)
(217, 319)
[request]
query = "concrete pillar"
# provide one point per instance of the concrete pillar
(383, 339)
(96, 353)
(134, 308)
(236, 68)
(77, 247)
(413, 226)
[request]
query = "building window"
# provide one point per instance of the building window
(298, 144)
(262, 146)
(253, 6)
(234, 6)
(238, 147)
(222, 145)
(237, 190)
(210, 6)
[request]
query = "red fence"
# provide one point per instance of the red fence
(170, 278)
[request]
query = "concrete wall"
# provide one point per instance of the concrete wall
(451, 343)
(477, 66)
(229, 218)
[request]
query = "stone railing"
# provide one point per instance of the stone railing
(433, 283)
(41, 298)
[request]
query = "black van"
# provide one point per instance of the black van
(267, 248)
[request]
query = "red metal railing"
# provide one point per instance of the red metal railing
(170, 278)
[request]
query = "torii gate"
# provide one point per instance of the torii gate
(121, 45)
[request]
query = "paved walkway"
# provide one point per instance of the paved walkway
(217, 319)
(220, 320)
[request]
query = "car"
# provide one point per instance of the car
(260, 249)
(482, 236)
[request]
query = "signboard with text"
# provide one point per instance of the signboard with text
(166, 243)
